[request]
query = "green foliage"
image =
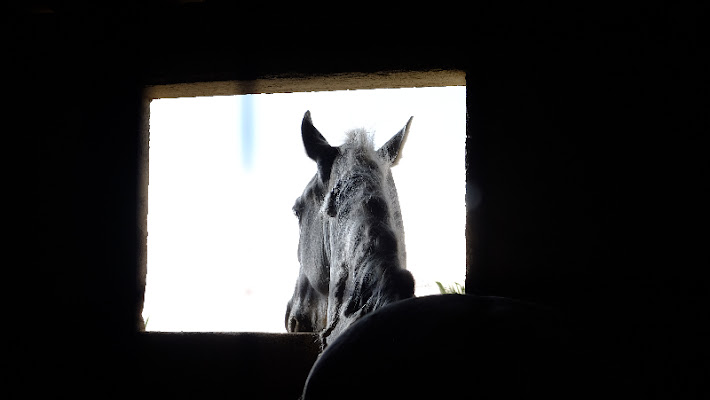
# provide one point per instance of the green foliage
(456, 288)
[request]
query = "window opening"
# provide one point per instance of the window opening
(224, 172)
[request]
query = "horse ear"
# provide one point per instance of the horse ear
(317, 148)
(391, 150)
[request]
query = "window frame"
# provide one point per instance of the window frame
(281, 84)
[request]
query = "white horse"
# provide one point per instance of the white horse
(351, 247)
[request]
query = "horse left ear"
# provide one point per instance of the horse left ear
(391, 150)
(317, 148)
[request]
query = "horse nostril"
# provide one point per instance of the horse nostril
(299, 323)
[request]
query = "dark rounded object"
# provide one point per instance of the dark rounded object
(448, 346)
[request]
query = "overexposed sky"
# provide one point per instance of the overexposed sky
(225, 171)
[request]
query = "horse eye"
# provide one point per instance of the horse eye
(297, 212)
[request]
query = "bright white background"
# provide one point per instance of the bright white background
(222, 238)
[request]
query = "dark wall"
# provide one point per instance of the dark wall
(585, 159)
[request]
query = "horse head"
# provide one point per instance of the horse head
(351, 247)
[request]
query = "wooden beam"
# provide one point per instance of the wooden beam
(306, 83)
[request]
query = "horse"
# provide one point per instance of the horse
(351, 246)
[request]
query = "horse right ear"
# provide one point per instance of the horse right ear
(317, 148)
(392, 150)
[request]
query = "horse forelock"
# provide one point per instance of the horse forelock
(359, 146)
(358, 161)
